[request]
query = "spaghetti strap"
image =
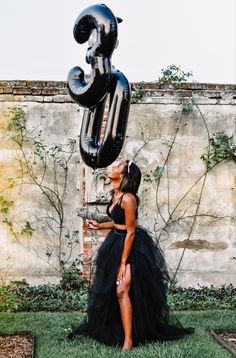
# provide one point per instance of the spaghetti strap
(120, 200)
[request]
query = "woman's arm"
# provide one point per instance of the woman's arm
(93, 224)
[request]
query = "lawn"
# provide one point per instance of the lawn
(49, 329)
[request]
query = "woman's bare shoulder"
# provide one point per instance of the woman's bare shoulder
(129, 198)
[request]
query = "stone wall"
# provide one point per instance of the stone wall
(208, 254)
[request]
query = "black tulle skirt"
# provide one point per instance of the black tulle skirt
(151, 319)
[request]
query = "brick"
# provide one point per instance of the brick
(33, 99)
(86, 276)
(36, 90)
(87, 267)
(47, 99)
(87, 252)
(63, 91)
(49, 91)
(87, 245)
(32, 84)
(86, 273)
(11, 98)
(50, 84)
(7, 90)
(57, 84)
(22, 90)
(5, 84)
(19, 83)
(87, 237)
(62, 99)
(3, 98)
(86, 264)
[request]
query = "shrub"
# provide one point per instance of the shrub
(71, 279)
(202, 298)
(18, 298)
(8, 300)
(173, 74)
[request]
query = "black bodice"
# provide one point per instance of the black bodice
(117, 214)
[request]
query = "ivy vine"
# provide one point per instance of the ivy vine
(222, 148)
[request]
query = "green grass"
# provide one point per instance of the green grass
(49, 329)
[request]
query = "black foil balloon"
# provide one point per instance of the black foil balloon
(97, 153)
(102, 20)
(104, 85)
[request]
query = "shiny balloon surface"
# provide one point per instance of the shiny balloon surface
(98, 25)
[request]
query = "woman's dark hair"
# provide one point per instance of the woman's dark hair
(131, 178)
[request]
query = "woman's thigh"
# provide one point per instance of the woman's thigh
(124, 286)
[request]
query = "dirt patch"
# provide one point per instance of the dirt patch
(227, 338)
(17, 345)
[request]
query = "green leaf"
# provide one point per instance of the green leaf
(5, 210)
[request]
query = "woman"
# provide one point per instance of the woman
(127, 301)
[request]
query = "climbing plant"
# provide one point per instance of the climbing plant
(46, 167)
(186, 209)
(136, 94)
(222, 148)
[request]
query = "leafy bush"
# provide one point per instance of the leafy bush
(15, 298)
(51, 298)
(72, 279)
(18, 298)
(203, 298)
(8, 300)
(173, 74)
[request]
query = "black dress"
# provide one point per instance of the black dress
(148, 291)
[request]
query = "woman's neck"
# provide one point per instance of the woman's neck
(115, 186)
(116, 191)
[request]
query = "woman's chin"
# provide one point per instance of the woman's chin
(112, 177)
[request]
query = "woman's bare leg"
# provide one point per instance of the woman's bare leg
(126, 308)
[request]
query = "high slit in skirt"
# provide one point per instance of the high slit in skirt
(151, 318)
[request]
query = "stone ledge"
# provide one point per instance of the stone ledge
(56, 91)
(176, 101)
(194, 86)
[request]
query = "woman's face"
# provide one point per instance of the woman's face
(117, 170)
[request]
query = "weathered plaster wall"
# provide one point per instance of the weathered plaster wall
(209, 256)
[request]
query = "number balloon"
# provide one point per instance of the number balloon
(93, 152)
(99, 18)
(104, 85)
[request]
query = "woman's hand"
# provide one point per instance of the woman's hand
(92, 224)
(121, 274)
